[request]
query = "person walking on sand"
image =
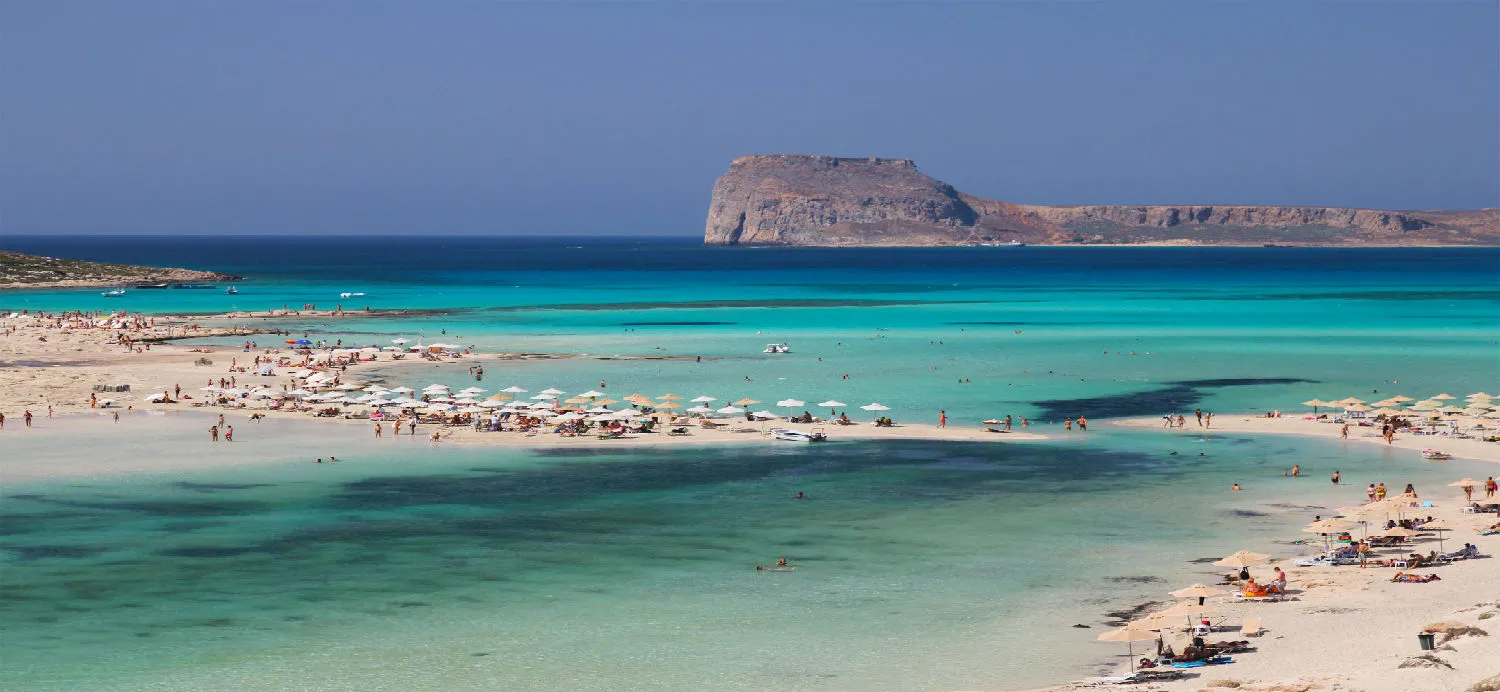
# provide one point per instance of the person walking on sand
(1344, 432)
(2, 421)
(26, 416)
(229, 433)
(1468, 493)
(1370, 492)
(1181, 421)
(1490, 487)
(1199, 414)
(943, 418)
(1208, 419)
(1363, 549)
(1380, 491)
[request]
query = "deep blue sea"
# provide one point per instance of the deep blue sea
(922, 565)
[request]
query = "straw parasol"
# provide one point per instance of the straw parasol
(1315, 403)
(1480, 395)
(1397, 532)
(1349, 401)
(1439, 526)
(746, 402)
(1465, 483)
(669, 397)
(1243, 558)
(1444, 397)
(1387, 402)
(1357, 407)
(1198, 591)
(1400, 398)
(669, 405)
(1130, 634)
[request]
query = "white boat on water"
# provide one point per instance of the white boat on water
(113, 294)
(350, 295)
(777, 348)
(798, 436)
(231, 291)
(1436, 454)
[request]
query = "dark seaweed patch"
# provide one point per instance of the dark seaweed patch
(677, 324)
(211, 487)
(42, 552)
(1245, 513)
(1175, 396)
(208, 551)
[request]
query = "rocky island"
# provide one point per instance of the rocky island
(808, 200)
(33, 271)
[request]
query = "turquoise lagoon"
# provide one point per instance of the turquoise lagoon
(921, 565)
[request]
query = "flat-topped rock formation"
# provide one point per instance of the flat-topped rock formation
(794, 199)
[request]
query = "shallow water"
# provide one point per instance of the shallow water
(920, 565)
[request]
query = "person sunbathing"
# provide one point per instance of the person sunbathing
(1253, 589)
(1410, 578)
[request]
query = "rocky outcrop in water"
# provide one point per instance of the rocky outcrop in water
(793, 199)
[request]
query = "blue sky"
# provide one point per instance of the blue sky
(564, 118)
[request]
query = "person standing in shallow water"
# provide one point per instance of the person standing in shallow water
(943, 418)
(1068, 424)
(1083, 423)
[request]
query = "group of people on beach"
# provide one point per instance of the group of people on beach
(1205, 419)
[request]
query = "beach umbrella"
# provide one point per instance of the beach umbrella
(729, 410)
(669, 397)
(831, 404)
(1387, 402)
(703, 399)
(1315, 403)
(592, 394)
(1397, 532)
(400, 341)
(599, 409)
(542, 405)
(1326, 527)
(765, 415)
(1425, 405)
(1444, 397)
(700, 409)
(875, 407)
(746, 402)
(669, 405)
(1465, 483)
(513, 390)
(1450, 410)
(1349, 401)
(1385, 411)
(788, 404)
(1198, 591)
(545, 395)
(577, 400)
(1129, 634)
(1243, 558)
(1439, 526)
(1475, 411)
(1357, 407)
(606, 402)
(1400, 398)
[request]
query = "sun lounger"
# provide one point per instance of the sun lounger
(1251, 627)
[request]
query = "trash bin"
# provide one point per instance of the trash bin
(1425, 639)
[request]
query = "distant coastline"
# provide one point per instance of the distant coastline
(20, 272)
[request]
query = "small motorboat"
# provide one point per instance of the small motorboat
(350, 295)
(159, 285)
(231, 291)
(113, 294)
(777, 348)
(194, 286)
(1436, 454)
(798, 436)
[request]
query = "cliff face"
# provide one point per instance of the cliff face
(825, 200)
